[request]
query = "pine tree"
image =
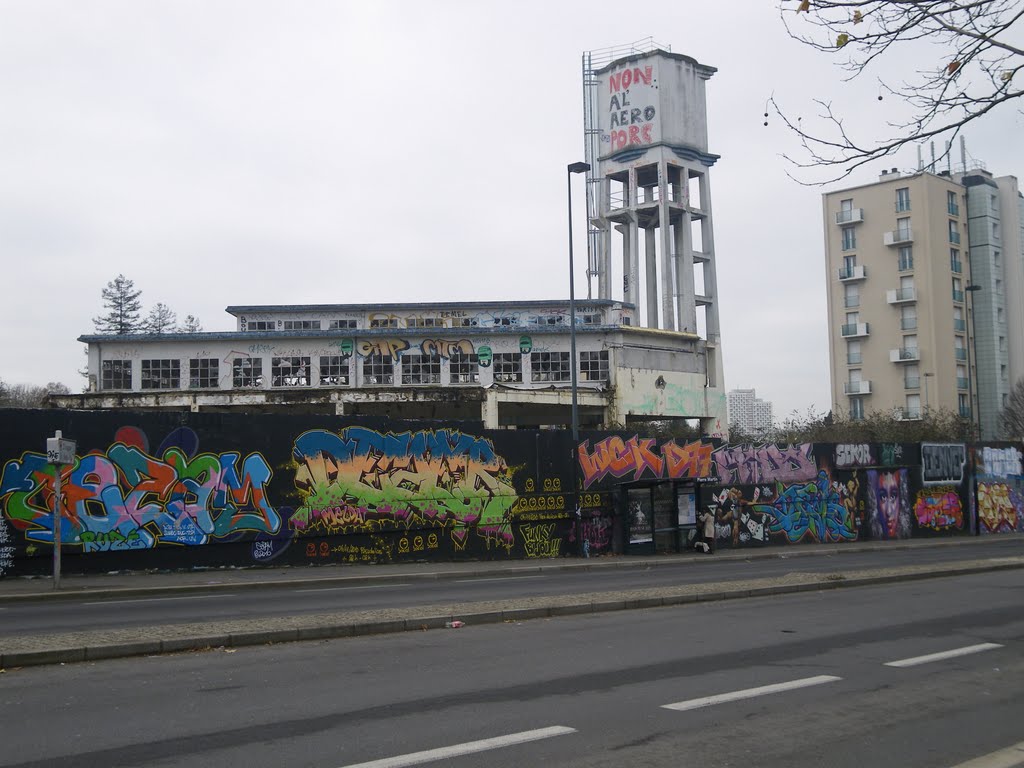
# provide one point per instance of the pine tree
(121, 301)
(191, 325)
(161, 319)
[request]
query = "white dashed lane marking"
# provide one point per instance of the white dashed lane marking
(749, 693)
(965, 651)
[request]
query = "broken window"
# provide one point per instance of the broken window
(550, 366)
(334, 370)
(421, 369)
(247, 372)
(261, 325)
(203, 373)
(594, 366)
(289, 372)
(424, 322)
(463, 369)
(302, 325)
(116, 374)
(161, 374)
(339, 325)
(378, 369)
(508, 366)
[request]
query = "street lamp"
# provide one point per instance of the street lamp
(970, 340)
(571, 169)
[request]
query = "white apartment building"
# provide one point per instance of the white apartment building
(917, 284)
(749, 413)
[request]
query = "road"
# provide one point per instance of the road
(311, 598)
(589, 691)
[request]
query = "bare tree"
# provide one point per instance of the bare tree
(29, 396)
(970, 64)
(1011, 420)
(121, 301)
(161, 319)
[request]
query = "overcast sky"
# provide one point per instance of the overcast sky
(252, 152)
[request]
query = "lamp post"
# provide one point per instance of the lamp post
(970, 289)
(575, 417)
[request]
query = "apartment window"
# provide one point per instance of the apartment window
(903, 199)
(993, 203)
(334, 370)
(958, 289)
(954, 261)
(247, 372)
(958, 319)
(909, 351)
(854, 356)
(964, 406)
(508, 366)
(913, 407)
(383, 322)
(954, 231)
(906, 258)
(116, 374)
(995, 232)
(908, 318)
(342, 325)
(203, 373)
(903, 229)
(378, 369)
(289, 372)
(424, 322)
(463, 369)
(421, 369)
(262, 325)
(161, 374)
(911, 377)
(594, 366)
(851, 295)
(856, 408)
(302, 325)
(951, 205)
(1003, 377)
(550, 366)
(849, 238)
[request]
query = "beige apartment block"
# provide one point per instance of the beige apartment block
(899, 296)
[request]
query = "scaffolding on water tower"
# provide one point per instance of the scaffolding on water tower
(593, 61)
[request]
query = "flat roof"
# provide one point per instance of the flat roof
(436, 305)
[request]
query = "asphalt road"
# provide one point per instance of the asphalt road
(310, 598)
(586, 691)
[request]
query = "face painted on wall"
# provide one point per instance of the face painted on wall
(889, 501)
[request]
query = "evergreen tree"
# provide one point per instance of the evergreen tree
(191, 325)
(123, 308)
(161, 319)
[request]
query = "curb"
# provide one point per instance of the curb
(416, 621)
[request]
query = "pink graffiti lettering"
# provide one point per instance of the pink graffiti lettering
(757, 464)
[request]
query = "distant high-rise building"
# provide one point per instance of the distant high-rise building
(748, 413)
(925, 290)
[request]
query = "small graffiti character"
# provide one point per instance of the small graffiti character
(890, 504)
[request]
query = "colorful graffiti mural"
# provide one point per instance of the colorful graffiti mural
(999, 506)
(361, 480)
(889, 504)
(939, 508)
(617, 457)
(125, 498)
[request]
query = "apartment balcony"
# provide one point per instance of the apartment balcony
(965, 412)
(959, 325)
(905, 264)
(911, 382)
(907, 414)
(953, 209)
(904, 355)
(960, 353)
(958, 295)
(957, 267)
(854, 358)
(853, 330)
(852, 216)
(847, 274)
(898, 237)
(954, 237)
(856, 387)
(962, 383)
(901, 296)
(908, 323)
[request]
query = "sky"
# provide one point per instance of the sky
(240, 152)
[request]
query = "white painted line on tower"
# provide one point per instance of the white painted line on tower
(469, 747)
(750, 693)
(943, 655)
(1003, 758)
(157, 599)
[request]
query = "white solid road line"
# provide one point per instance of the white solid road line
(444, 753)
(943, 655)
(343, 589)
(485, 580)
(1004, 758)
(157, 599)
(750, 693)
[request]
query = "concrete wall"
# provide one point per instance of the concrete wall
(174, 490)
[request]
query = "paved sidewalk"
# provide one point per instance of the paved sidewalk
(102, 644)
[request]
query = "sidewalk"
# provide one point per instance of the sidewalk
(102, 644)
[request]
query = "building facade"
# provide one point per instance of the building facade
(504, 363)
(749, 414)
(920, 294)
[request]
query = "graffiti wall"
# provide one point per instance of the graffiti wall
(155, 490)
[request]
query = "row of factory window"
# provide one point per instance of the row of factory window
(391, 321)
(337, 370)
